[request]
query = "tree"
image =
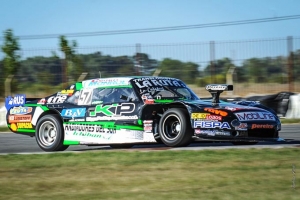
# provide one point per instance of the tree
(188, 72)
(11, 60)
(256, 69)
(72, 66)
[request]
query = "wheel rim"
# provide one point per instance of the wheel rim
(47, 133)
(172, 127)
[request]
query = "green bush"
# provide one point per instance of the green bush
(218, 79)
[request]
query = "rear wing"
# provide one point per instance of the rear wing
(216, 89)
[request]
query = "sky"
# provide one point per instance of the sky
(40, 17)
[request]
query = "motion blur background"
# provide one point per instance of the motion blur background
(47, 45)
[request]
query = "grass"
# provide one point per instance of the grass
(222, 174)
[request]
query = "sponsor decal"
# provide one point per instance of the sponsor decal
(19, 118)
(199, 115)
(211, 124)
(267, 126)
(214, 117)
(41, 101)
(254, 116)
(66, 92)
(105, 82)
(56, 99)
(113, 109)
(204, 132)
(152, 82)
(242, 126)
(73, 112)
(212, 132)
(151, 90)
(13, 127)
(86, 128)
(149, 101)
(91, 135)
(232, 108)
(18, 100)
(216, 87)
(89, 131)
(240, 108)
(148, 126)
(138, 135)
(206, 116)
(217, 112)
(16, 126)
(20, 110)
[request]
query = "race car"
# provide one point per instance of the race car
(125, 111)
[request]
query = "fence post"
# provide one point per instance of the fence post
(229, 79)
(290, 63)
(83, 75)
(138, 59)
(212, 62)
(7, 85)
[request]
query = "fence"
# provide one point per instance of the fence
(201, 53)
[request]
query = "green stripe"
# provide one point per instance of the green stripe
(26, 130)
(69, 142)
(22, 129)
(163, 101)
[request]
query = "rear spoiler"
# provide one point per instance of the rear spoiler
(216, 89)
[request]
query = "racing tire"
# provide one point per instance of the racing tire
(244, 143)
(121, 146)
(49, 134)
(175, 128)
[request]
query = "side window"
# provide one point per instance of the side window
(112, 95)
(74, 98)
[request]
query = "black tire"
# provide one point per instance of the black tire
(49, 134)
(121, 146)
(175, 128)
(244, 143)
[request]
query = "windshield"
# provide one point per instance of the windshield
(159, 88)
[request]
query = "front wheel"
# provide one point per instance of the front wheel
(49, 134)
(174, 128)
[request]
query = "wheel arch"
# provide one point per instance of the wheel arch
(49, 112)
(161, 108)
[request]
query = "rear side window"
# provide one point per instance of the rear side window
(113, 95)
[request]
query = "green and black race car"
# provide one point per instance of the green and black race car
(125, 111)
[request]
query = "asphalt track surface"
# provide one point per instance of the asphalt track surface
(11, 143)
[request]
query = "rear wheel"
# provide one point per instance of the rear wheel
(49, 134)
(174, 128)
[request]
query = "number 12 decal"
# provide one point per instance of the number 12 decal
(85, 97)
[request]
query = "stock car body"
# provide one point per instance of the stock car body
(125, 111)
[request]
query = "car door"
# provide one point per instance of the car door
(110, 105)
